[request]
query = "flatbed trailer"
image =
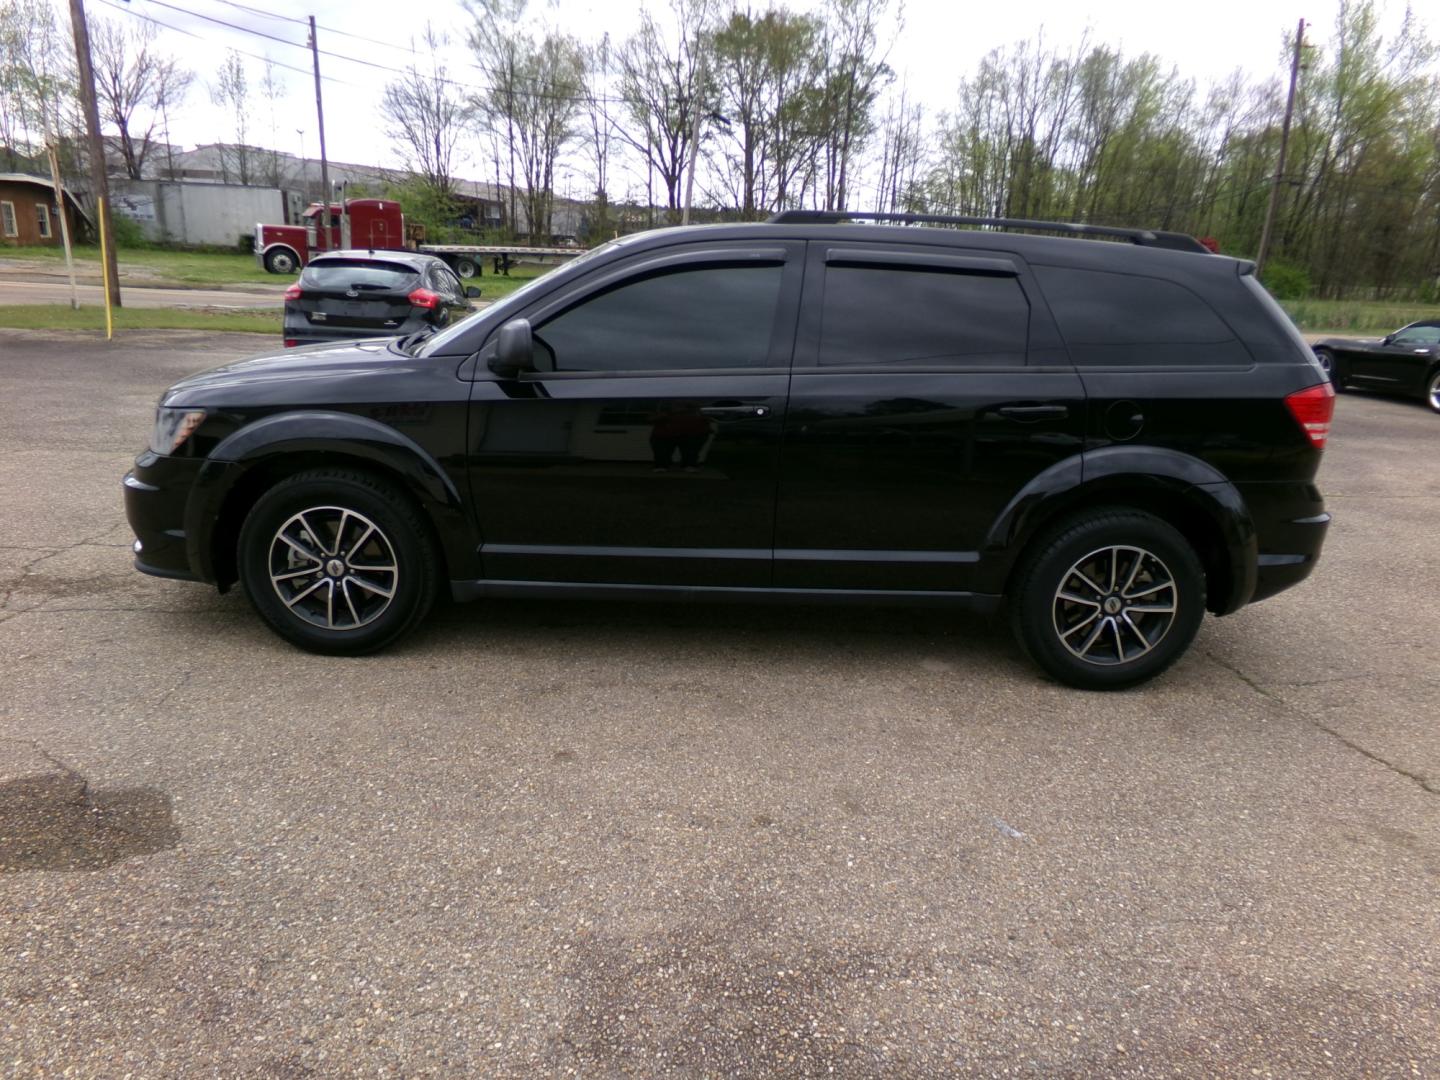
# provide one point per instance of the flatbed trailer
(467, 259)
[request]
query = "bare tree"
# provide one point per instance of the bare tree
(663, 81)
(902, 156)
(763, 69)
(855, 73)
(428, 116)
(231, 90)
(37, 80)
(134, 82)
(599, 128)
(497, 42)
(535, 94)
(272, 90)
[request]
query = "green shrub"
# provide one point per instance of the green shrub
(1286, 281)
(128, 233)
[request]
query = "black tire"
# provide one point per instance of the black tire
(1327, 364)
(281, 261)
(307, 538)
(1054, 617)
(1432, 389)
(466, 269)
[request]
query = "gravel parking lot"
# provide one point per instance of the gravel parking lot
(600, 840)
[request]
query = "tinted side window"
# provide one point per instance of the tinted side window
(883, 315)
(712, 317)
(449, 281)
(1418, 335)
(1112, 319)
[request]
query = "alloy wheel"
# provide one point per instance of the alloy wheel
(333, 568)
(1115, 605)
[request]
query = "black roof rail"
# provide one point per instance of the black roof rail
(1143, 237)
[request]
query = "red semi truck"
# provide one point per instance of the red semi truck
(377, 224)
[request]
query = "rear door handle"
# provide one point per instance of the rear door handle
(735, 412)
(1034, 412)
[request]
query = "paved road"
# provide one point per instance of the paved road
(57, 291)
(602, 840)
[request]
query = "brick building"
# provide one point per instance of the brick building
(29, 215)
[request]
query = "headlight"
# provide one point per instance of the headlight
(173, 427)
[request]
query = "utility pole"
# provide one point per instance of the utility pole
(1284, 144)
(64, 220)
(99, 186)
(696, 103)
(322, 233)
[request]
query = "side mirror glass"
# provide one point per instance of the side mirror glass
(472, 291)
(514, 348)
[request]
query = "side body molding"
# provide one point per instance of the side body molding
(1173, 480)
(346, 436)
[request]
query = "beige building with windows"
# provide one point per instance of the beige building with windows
(29, 214)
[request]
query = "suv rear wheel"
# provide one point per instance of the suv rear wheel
(337, 562)
(1108, 599)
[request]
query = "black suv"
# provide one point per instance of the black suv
(1114, 436)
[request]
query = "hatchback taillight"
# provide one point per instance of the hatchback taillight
(293, 292)
(424, 298)
(1312, 408)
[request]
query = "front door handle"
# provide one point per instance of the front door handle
(735, 412)
(1034, 412)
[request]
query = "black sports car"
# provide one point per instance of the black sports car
(1405, 362)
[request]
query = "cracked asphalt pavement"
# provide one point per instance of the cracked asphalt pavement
(602, 840)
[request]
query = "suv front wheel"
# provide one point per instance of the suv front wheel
(1108, 598)
(337, 562)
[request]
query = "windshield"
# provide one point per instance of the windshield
(437, 343)
(356, 273)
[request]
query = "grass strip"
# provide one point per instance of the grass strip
(63, 317)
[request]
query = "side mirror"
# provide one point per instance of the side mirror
(514, 348)
(1388, 339)
(472, 291)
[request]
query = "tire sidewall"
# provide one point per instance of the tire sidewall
(275, 258)
(391, 515)
(1053, 556)
(1331, 367)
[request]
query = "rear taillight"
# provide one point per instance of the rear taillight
(1312, 408)
(293, 292)
(291, 342)
(424, 298)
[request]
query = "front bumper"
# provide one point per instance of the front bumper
(156, 491)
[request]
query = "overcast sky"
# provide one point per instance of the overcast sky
(933, 45)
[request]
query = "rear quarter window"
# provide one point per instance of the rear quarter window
(348, 273)
(1110, 319)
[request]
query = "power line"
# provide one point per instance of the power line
(242, 52)
(472, 87)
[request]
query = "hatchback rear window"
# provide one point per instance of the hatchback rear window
(350, 273)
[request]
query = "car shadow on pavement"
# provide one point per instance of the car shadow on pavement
(656, 628)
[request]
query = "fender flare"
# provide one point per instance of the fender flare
(345, 436)
(1086, 479)
(280, 244)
